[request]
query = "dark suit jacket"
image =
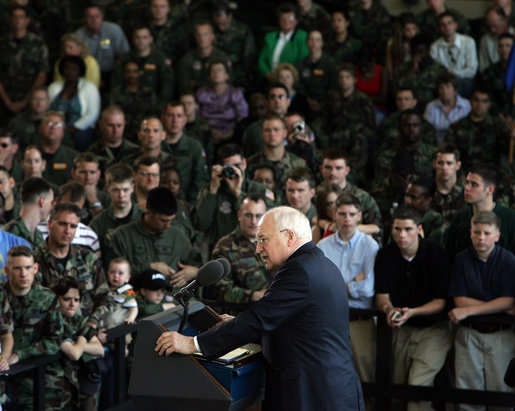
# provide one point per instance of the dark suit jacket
(303, 323)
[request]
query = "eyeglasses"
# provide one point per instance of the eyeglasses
(147, 175)
(277, 97)
(262, 241)
(51, 123)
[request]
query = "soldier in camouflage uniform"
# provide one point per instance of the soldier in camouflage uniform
(136, 100)
(6, 339)
(421, 73)
(127, 14)
(8, 150)
(371, 23)
(37, 199)
(37, 323)
(397, 166)
(428, 19)
(192, 69)
(248, 279)
(480, 137)
(57, 258)
(11, 206)
(342, 46)
(156, 70)
(274, 133)
(235, 39)
(23, 64)
(312, 16)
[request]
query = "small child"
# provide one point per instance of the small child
(125, 307)
(151, 293)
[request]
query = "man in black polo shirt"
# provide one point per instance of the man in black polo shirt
(411, 283)
(483, 283)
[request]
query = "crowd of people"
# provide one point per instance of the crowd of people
(166, 130)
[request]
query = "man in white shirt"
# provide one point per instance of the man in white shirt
(456, 52)
(497, 23)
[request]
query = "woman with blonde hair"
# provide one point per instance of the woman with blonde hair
(288, 75)
(73, 45)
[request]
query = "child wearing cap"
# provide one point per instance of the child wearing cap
(151, 293)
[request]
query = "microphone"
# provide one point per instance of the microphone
(227, 265)
(208, 274)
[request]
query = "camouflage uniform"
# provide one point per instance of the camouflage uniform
(485, 141)
(345, 52)
(157, 73)
(18, 227)
(21, 60)
(25, 129)
(191, 164)
(389, 131)
(200, 130)
(431, 221)
(248, 272)
(192, 69)
(87, 270)
(281, 167)
(373, 27)
(105, 223)
(106, 155)
(134, 243)
(358, 108)
(136, 106)
(252, 140)
(170, 40)
(238, 42)
(59, 165)
(127, 14)
(422, 81)
(448, 205)
(38, 328)
(317, 18)
(501, 97)
(428, 23)
(315, 78)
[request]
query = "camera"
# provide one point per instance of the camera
(228, 171)
(298, 127)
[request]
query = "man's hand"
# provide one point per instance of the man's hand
(184, 275)
(4, 365)
(216, 178)
(163, 268)
(13, 359)
(236, 182)
(393, 323)
(258, 294)
(457, 314)
(172, 341)
(360, 277)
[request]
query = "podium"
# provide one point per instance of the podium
(186, 382)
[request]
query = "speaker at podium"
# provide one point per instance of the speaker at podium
(187, 382)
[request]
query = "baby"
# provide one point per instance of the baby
(125, 307)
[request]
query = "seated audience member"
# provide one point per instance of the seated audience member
(79, 348)
(58, 157)
(113, 144)
(146, 177)
(317, 72)
(498, 24)
(150, 242)
(456, 52)
(501, 97)
(78, 99)
(313, 16)
(37, 199)
(448, 196)
(480, 137)
(58, 257)
(480, 186)
(257, 111)
(482, 349)
(151, 136)
(38, 336)
(86, 171)
(136, 99)
(25, 124)
(8, 149)
(419, 195)
(10, 196)
(398, 46)
(300, 189)
(300, 138)
(428, 18)
(6, 333)
(84, 235)
(411, 285)
(286, 45)
(287, 75)
(221, 104)
(120, 186)
(354, 253)
(248, 279)
(151, 289)
(342, 45)
(33, 165)
(325, 199)
(73, 45)
(7, 241)
(187, 151)
(448, 108)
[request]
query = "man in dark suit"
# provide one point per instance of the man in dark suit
(302, 321)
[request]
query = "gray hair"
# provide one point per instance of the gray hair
(288, 218)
